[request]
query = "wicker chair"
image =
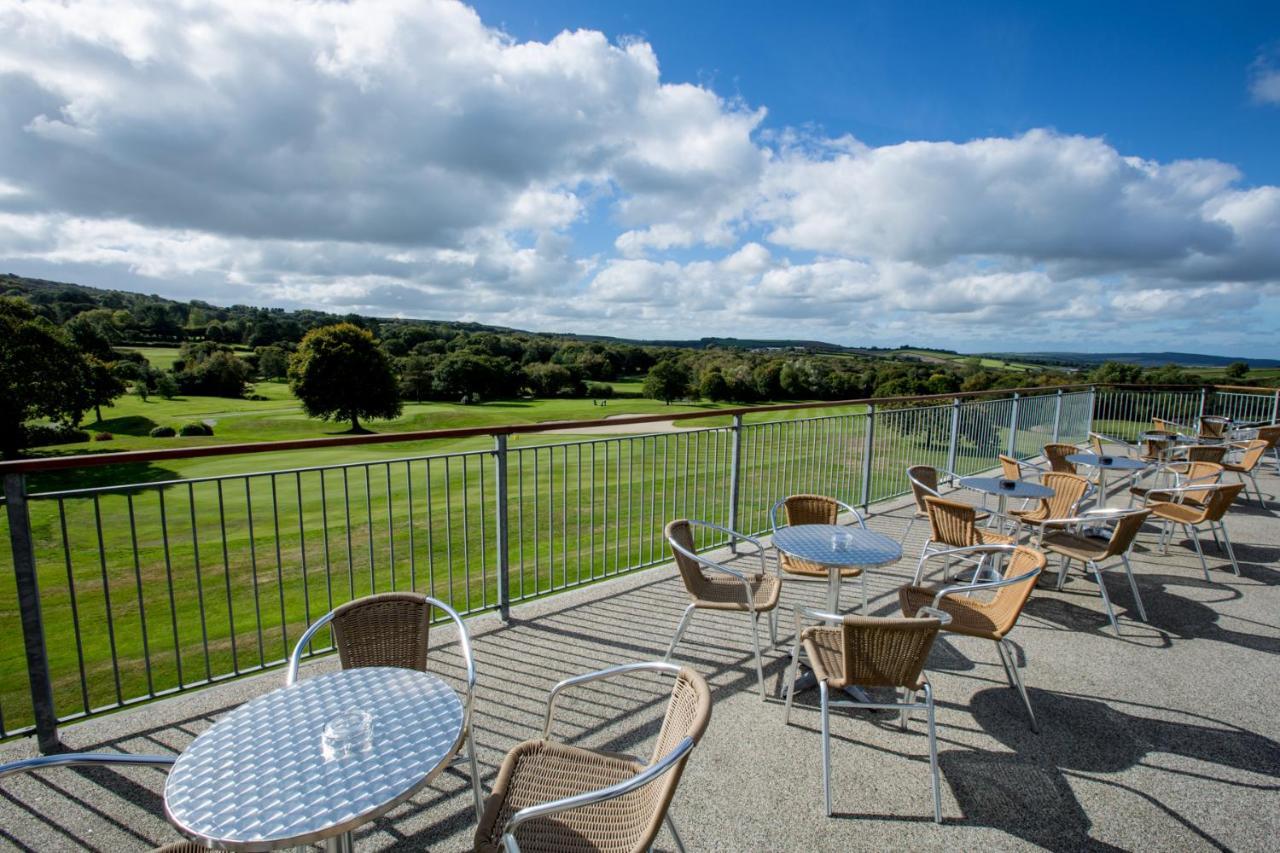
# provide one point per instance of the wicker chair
(924, 484)
(815, 509)
(868, 651)
(1068, 491)
(101, 759)
(1253, 452)
(554, 797)
(988, 610)
(1271, 435)
(391, 629)
(1057, 455)
(1214, 426)
(724, 589)
(1166, 425)
(1071, 541)
(1183, 474)
(1216, 500)
(954, 525)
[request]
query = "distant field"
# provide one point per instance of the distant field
(162, 358)
(945, 358)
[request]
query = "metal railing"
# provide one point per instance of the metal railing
(124, 592)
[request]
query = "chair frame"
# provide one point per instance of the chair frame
(861, 522)
(1244, 448)
(928, 550)
(1191, 530)
(651, 773)
(469, 695)
(1007, 657)
(905, 707)
(707, 563)
(1098, 515)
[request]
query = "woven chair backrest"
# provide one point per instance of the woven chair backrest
(810, 509)
(388, 629)
(922, 475)
(1253, 453)
(1057, 455)
(1269, 434)
(680, 532)
(1095, 443)
(1006, 606)
(1010, 468)
(1220, 501)
(1068, 489)
(952, 522)
(1212, 426)
(1164, 425)
(886, 652)
(1124, 532)
(1205, 453)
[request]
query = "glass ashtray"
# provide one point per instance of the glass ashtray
(1008, 484)
(1106, 460)
(349, 733)
(841, 541)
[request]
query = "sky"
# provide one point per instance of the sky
(977, 176)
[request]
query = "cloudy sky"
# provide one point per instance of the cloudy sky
(972, 176)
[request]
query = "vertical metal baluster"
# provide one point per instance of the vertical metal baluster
(448, 527)
(502, 518)
(253, 564)
(666, 453)
(275, 526)
(106, 595)
(564, 513)
(551, 516)
(75, 610)
(413, 544)
(631, 487)
(484, 556)
(591, 523)
(324, 521)
(868, 443)
(226, 575)
(142, 605)
(346, 505)
(520, 520)
(466, 533)
(195, 552)
(431, 523)
(604, 528)
(368, 526)
(391, 528)
(168, 576)
(537, 526)
(577, 517)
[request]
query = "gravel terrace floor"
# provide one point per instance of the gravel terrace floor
(1165, 737)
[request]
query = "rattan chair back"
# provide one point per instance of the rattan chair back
(810, 509)
(1270, 434)
(924, 483)
(1213, 426)
(886, 652)
(1253, 453)
(1164, 425)
(1057, 455)
(680, 532)
(1010, 468)
(388, 629)
(1006, 605)
(1124, 532)
(952, 523)
(1217, 504)
(1095, 444)
(1205, 453)
(1068, 489)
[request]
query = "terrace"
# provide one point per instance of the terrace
(1153, 739)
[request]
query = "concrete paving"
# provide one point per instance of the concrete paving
(1165, 737)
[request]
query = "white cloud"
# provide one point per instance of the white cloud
(1264, 77)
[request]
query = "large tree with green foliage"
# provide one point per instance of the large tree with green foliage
(339, 373)
(42, 374)
(667, 380)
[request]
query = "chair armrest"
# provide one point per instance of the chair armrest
(464, 640)
(84, 759)
(295, 657)
(649, 774)
(981, 586)
(599, 675)
(941, 615)
(773, 511)
(733, 536)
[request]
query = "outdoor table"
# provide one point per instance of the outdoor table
(834, 546)
(1105, 464)
(996, 486)
(262, 779)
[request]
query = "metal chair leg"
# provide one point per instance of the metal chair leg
(1004, 662)
(684, 623)
(864, 594)
(675, 836)
(1106, 599)
(933, 754)
(755, 643)
(826, 746)
(1022, 691)
(1231, 552)
(773, 627)
(908, 699)
(1133, 585)
(475, 773)
(793, 672)
(1192, 534)
(1062, 572)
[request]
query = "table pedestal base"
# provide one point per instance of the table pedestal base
(807, 680)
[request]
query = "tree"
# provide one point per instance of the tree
(1236, 370)
(667, 380)
(1116, 373)
(42, 374)
(339, 373)
(101, 386)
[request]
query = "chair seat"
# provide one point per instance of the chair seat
(539, 771)
(823, 646)
(1236, 467)
(793, 566)
(1075, 546)
(987, 537)
(726, 593)
(969, 616)
(1182, 513)
(1157, 494)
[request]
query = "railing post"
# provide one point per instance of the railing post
(24, 570)
(500, 500)
(1057, 416)
(735, 461)
(1013, 428)
(955, 435)
(1093, 402)
(868, 442)
(1203, 395)
(1275, 408)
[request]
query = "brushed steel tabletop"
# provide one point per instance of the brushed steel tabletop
(815, 543)
(1119, 463)
(260, 779)
(994, 486)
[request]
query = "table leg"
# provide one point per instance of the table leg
(1102, 487)
(339, 844)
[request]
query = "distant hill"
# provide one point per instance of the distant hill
(1142, 359)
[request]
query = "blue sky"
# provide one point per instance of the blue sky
(975, 176)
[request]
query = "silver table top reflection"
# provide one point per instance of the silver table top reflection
(815, 543)
(994, 486)
(260, 780)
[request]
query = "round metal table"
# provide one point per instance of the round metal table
(995, 486)
(814, 543)
(1105, 464)
(260, 779)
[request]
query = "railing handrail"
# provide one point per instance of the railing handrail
(91, 460)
